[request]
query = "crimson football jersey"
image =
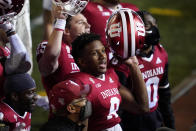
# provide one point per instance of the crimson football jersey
(154, 72)
(4, 52)
(105, 99)
(67, 65)
(14, 120)
(97, 16)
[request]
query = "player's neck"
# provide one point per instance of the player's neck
(148, 50)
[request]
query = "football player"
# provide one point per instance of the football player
(16, 108)
(70, 107)
(98, 12)
(153, 63)
(105, 90)
(54, 56)
(14, 59)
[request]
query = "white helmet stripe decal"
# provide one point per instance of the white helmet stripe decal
(124, 24)
(132, 34)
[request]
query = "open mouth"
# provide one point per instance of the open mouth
(103, 64)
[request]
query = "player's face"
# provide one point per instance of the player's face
(27, 99)
(94, 57)
(79, 25)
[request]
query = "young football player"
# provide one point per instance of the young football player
(19, 102)
(54, 56)
(105, 90)
(153, 63)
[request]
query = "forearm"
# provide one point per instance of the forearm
(19, 61)
(139, 88)
(49, 60)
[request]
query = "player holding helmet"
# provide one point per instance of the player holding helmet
(153, 63)
(54, 56)
(106, 92)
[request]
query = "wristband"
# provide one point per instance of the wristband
(60, 24)
(10, 32)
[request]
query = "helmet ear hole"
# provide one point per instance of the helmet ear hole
(125, 33)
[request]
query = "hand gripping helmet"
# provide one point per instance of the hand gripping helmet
(10, 8)
(125, 32)
(71, 7)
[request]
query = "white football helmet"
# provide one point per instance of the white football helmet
(71, 7)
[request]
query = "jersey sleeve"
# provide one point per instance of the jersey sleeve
(40, 50)
(164, 81)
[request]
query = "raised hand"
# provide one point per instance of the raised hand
(6, 25)
(132, 61)
(58, 12)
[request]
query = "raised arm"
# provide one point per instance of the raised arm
(48, 63)
(18, 61)
(136, 99)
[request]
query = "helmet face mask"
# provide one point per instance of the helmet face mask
(71, 7)
(125, 33)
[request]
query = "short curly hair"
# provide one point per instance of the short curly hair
(81, 42)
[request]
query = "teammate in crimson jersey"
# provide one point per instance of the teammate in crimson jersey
(97, 14)
(66, 65)
(19, 102)
(153, 63)
(105, 91)
(54, 56)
